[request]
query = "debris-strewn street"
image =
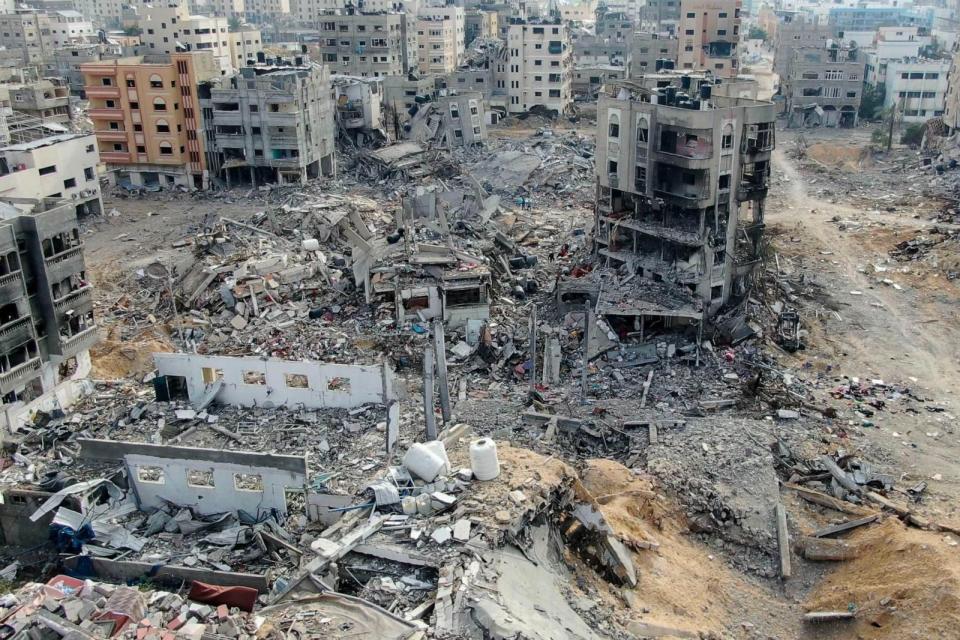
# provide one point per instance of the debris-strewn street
(517, 389)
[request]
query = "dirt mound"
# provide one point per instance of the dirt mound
(681, 585)
(848, 157)
(115, 359)
(904, 584)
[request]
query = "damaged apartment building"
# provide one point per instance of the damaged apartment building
(46, 309)
(272, 123)
(683, 172)
(823, 85)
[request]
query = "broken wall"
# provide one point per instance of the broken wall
(269, 382)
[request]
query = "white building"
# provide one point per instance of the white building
(167, 27)
(103, 13)
(244, 45)
(917, 86)
(536, 67)
(899, 42)
(69, 27)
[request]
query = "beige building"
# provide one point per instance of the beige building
(536, 67)
(647, 48)
(47, 100)
(578, 11)
(709, 31)
(167, 27)
(103, 13)
(244, 45)
(27, 35)
(147, 119)
(309, 12)
(440, 34)
(368, 44)
(262, 11)
(480, 24)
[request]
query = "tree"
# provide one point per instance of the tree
(912, 135)
(756, 33)
(234, 24)
(871, 104)
(132, 31)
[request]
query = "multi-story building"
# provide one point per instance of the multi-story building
(951, 115)
(464, 122)
(311, 11)
(824, 86)
(264, 11)
(589, 78)
(68, 27)
(402, 93)
(594, 50)
(46, 309)
(244, 44)
(871, 18)
(42, 164)
(67, 60)
(798, 33)
(27, 34)
(167, 28)
(440, 39)
(614, 26)
(647, 48)
(536, 67)
(916, 86)
(709, 31)
(273, 124)
(146, 117)
(578, 11)
(103, 13)
(660, 15)
(682, 181)
(48, 100)
(368, 44)
(480, 24)
(891, 43)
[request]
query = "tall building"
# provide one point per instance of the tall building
(647, 48)
(103, 13)
(146, 117)
(264, 11)
(46, 309)
(709, 31)
(244, 45)
(682, 177)
(536, 67)
(798, 33)
(368, 44)
(272, 124)
(310, 12)
(27, 34)
(170, 27)
(440, 36)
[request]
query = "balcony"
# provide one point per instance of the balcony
(111, 135)
(281, 117)
(79, 301)
(102, 92)
(753, 189)
(286, 163)
(20, 375)
(105, 113)
(15, 333)
(78, 342)
(675, 233)
(65, 264)
(11, 286)
(122, 157)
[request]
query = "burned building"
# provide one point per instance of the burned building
(46, 309)
(682, 176)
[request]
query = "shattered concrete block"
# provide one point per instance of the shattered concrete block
(441, 535)
(461, 530)
(787, 414)
(238, 322)
(517, 496)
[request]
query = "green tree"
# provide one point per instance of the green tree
(756, 33)
(234, 24)
(912, 135)
(871, 103)
(132, 31)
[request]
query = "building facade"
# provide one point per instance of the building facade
(798, 34)
(440, 39)
(480, 24)
(272, 124)
(709, 33)
(536, 67)
(917, 87)
(824, 86)
(647, 48)
(169, 27)
(46, 327)
(46, 100)
(683, 177)
(147, 119)
(368, 45)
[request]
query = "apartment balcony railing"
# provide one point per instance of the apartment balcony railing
(78, 342)
(16, 377)
(11, 286)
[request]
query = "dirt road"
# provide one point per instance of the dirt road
(906, 336)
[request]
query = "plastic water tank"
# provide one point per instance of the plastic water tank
(483, 459)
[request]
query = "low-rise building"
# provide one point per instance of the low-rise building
(147, 119)
(916, 86)
(824, 86)
(47, 100)
(682, 183)
(368, 44)
(359, 107)
(273, 124)
(46, 328)
(589, 79)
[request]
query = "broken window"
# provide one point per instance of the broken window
(248, 482)
(200, 478)
(642, 132)
(254, 377)
(613, 130)
(340, 384)
(296, 380)
(211, 375)
(151, 474)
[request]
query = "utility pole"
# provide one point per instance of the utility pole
(893, 116)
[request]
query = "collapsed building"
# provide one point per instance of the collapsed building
(682, 176)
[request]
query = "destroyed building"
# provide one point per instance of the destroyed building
(823, 85)
(272, 123)
(682, 179)
(46, 309)
(48, 100)
(359, 108)
(454, 120)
